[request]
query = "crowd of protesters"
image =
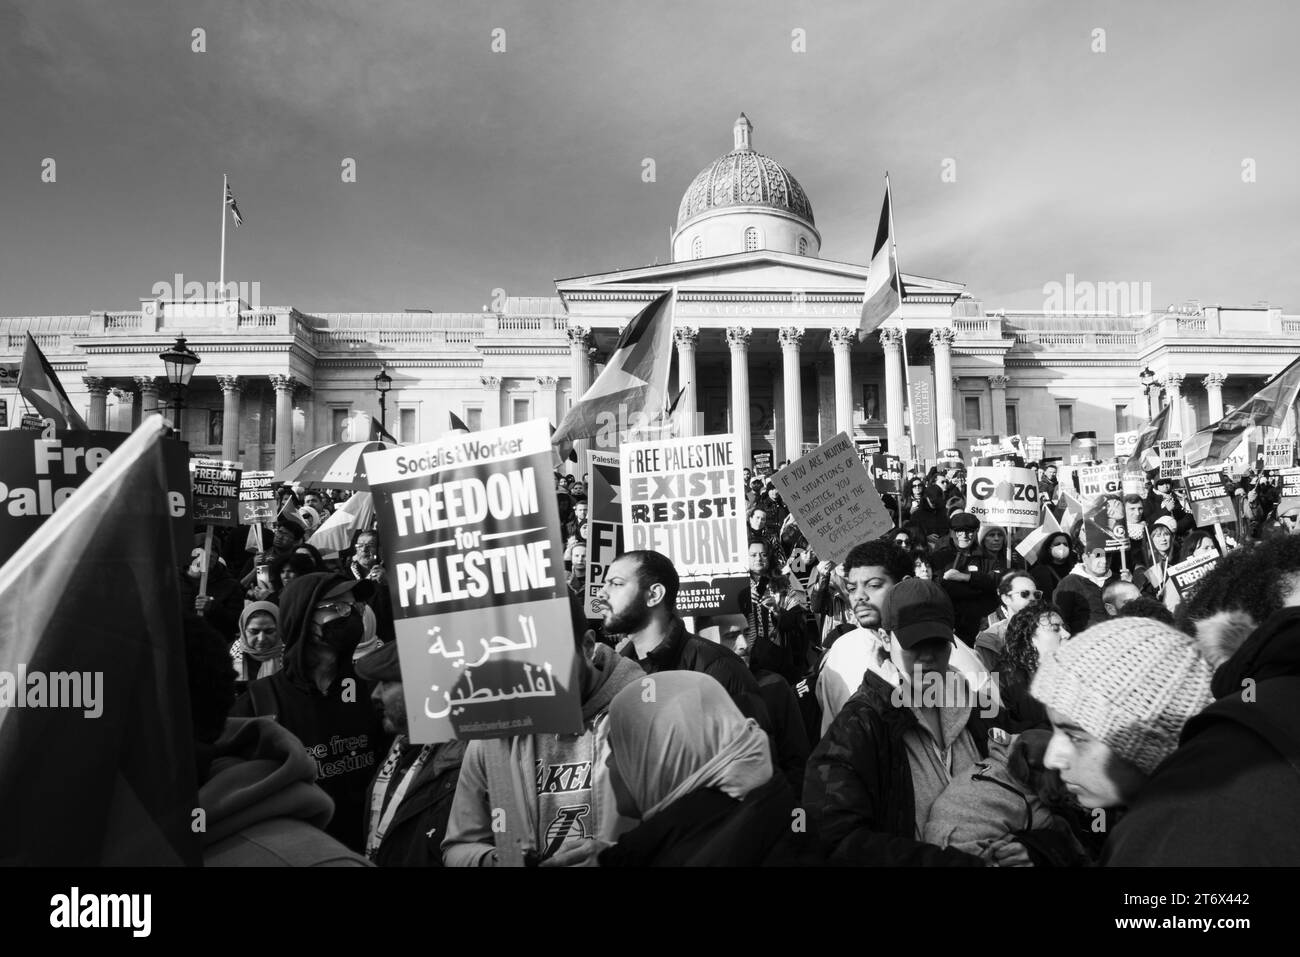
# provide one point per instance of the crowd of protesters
(937, 698)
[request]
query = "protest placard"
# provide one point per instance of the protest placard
(471, 534)
(1171, 459)
(604, 525)
(950, 458)
(763, 462)
(4, 413)
(832, 497)
(37, 475)
(1003, 495)
(1083, 448)
(887, 471)
(256, 497)
(216, 491)
(1035, 447)
(683, 498)
(866, 448)
(1125, 443)
(1290, 489)
(1279, 454)
(1098, 480)
(1208, 496)
(1186, 575)
(32, 422)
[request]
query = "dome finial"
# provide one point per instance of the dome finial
(742, 131)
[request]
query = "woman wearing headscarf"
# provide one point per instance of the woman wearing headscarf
(258, 652)
(1055, 560)
(698, 775)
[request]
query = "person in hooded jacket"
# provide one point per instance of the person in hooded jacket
(1227, 797)
(554, 789)
(318, 696)
(261, 806)
(1055, 560)
(1078, 596)
(699, 777)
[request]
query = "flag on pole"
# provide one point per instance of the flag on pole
(41, 387)
(354, 515)
(234, 209)
(633, 383)
(458, 426)
(1155, 432)
(884, 296)
(90, 612)
(1032, 544)
(1269, 407)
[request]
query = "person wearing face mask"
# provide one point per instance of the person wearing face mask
(1054, 563)
(318, 696)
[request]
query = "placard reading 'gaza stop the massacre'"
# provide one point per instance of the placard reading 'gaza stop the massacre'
(1003, 495)
(684, 498)
(471, 536)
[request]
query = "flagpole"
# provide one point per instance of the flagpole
(907, 376)
(221, 282)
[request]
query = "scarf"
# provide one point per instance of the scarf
(690, 737)
(272, 659)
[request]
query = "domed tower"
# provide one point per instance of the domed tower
(741, 202)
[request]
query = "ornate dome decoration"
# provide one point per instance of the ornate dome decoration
(744, 178)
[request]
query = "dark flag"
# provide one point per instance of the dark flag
(457, 425)
(631, 387)
(96, 750)
(1266, 408)
(41, 387)
(884, 295)
(1155, 432)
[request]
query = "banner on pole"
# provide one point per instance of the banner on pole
(1125, 443)
(1003, 495)
(684, 498)
(866, 448)
(1035, 447)
(256, 497)
(832, 498)
(1098, 480)
(216, 491)
(762, 462)
(887, 471)
(471, 534)
(924, 422)
(1171, 459)
(1290, 489)
(604, 525)
(1208, 496)
(1186, 575)
(37, 475)
(1279, 454)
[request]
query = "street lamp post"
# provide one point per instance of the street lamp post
(383, 382)
(1148, 379)
(179, 362)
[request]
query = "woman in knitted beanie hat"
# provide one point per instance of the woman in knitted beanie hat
(1118, 696)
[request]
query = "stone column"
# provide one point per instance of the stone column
(231, 394)
(891, 340)
(1174, 395)
(998, 389)
(1214, 392)
(492, 401)
(546, 384)
(790, 339)
(778, 413)
(941, 340)
(738, 343)
(580, 343)
(687, 337)
(148, 387)
(122, 417)
(842, 340)
(283, 386)
(98, 401)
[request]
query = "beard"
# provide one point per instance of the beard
(628, 621)
(870, 613)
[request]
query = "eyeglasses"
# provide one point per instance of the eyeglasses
(1034, 593)
(327, 611)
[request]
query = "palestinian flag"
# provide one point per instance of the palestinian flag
(41, 387)
(884, 295)
(1269, 407)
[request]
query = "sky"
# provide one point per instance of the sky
(1113, 157)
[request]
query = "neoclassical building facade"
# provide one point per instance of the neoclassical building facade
(766, 346)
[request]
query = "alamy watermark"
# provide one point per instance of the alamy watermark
(948, 689)
(1082, 295)
(178, 290)
(78, 690)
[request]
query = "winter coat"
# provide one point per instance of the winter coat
(972, 601)
(858, 790)
(708, 828)
(500, 774)
(261, 805)
(415, 834)
(1079, 599)
(1228, 796)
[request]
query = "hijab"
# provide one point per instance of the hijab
(690, 737)
(271, 658)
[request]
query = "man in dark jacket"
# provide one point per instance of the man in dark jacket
(224, 599)
(890, 753)
(318, 696)
(412, 793)
(968, 575)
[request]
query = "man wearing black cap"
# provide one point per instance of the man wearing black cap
(318, 696)
(411, 796)
(891, 751)
(968, 575)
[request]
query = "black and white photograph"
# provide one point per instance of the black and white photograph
(577, 434)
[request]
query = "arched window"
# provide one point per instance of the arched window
(697, 248)
(803, 245)
(751, 239)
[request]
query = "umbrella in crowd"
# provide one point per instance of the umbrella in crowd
(331, 466)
